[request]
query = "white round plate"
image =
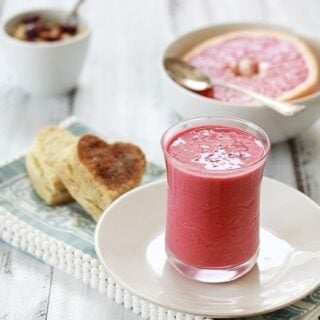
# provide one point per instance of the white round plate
(129, 242)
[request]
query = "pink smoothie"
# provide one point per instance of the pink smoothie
(214, 175)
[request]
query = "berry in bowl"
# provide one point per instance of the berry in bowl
(37, 28)
(266, 59)
(46, 53)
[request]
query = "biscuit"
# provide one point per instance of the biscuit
(41, 164)
(96, 172)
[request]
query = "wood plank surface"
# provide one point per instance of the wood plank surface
(121, 95)
(24, 285)
(70, 299)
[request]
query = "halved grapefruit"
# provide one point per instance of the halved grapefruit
(277, 64)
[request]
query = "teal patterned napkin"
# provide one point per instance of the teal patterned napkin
(70, 224)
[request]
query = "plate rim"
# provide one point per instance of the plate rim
(220, 315)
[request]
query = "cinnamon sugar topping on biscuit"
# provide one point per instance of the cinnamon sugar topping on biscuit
(117, 165)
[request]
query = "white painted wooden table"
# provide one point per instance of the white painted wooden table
(121, 95)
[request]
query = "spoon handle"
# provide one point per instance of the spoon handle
(74, 10)
(284, 108)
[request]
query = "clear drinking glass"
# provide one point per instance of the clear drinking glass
(212, 227)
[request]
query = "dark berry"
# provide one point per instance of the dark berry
(42, 26)
(30, 18)
(68, 28)
(31, 30)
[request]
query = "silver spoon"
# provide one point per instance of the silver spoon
(194, 79)
(74, 12)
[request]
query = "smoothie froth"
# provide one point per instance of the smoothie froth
(216, 148)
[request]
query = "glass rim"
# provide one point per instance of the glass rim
(235, 120)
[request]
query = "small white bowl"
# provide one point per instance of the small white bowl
(188, 104)
(46, 68)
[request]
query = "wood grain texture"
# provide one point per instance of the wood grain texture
(121, 95)
(24, 285)
(67, 292)
(306, 152)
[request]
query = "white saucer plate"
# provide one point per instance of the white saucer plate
(129, 242)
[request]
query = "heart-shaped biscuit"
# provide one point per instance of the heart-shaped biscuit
(119, 165)
(96, 172)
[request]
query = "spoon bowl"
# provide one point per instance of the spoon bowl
(187, 75)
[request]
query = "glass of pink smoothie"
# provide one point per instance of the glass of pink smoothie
(214, 171)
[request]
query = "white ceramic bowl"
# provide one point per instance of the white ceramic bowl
(46, 68)
(188, 104)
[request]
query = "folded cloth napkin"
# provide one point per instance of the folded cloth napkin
(62, 236)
